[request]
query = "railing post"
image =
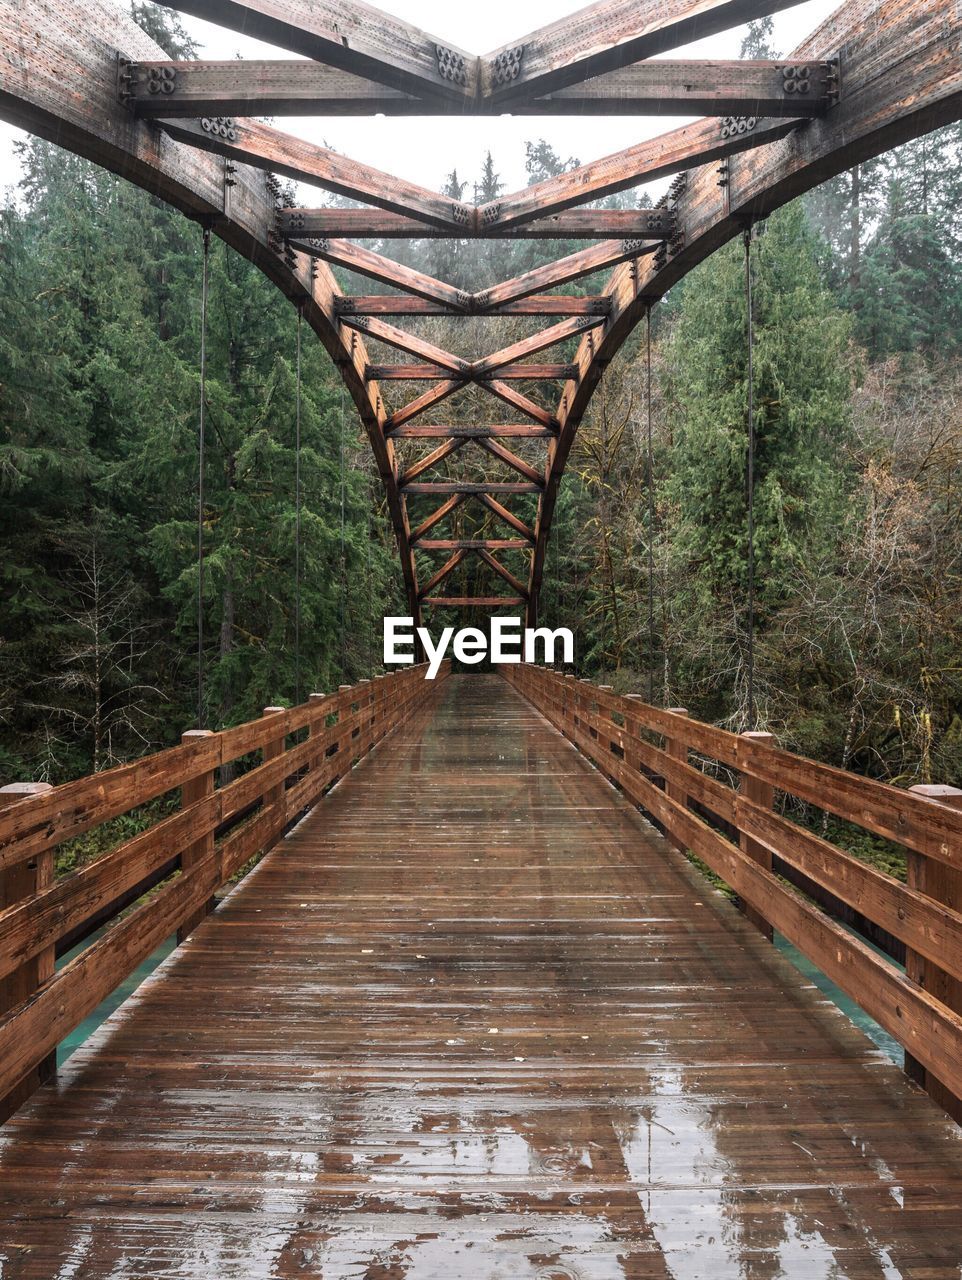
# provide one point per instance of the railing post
(569, 719)
(677, 748)
(944, 884)
(632, 758)
(20, 881)
(316, 730)
(199, 788)
(756, 791)
(273, 748)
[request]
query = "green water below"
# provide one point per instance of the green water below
(878, 1035)
(114, 1000)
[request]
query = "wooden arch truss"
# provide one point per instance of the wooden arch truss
(81, 74)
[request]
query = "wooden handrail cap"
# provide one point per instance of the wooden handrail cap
(15, 791)
(942, 794)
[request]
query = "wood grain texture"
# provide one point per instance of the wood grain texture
(528, 1043)
(604, 726)
(347, 34)
(284, 87)
(38, 1007)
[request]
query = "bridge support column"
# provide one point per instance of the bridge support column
(677, 748)
(944, 884)
(199, 788)
(761, 793)
(17, 882)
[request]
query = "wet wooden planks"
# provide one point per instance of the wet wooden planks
(474, 1019)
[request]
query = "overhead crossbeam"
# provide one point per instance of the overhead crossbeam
(393, 304)
(473, 602)
(263, 147)
(671, 153)
(351, 35)
(443, 364)
(606, 36)
(469, 487)
(573, 224)
(284, 87)
(523, 431)
(434, 373)
(696, 88)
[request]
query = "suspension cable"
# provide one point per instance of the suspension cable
(651, 517)
(343, 601)
(750, 323)
(297, 514)
(201, 430)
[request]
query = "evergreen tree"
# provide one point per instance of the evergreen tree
(802, 383)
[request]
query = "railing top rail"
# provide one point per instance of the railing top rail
(916, 821)
(38, 822)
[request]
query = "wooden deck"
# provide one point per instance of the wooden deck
(474, 1019)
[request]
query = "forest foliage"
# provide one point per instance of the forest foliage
(858, 537)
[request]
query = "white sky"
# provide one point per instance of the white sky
(426, 150)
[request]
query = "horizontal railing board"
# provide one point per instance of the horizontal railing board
(254, 810)
(40, 822)
(930, 1031)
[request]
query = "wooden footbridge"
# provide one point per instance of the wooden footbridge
(474, 1013)
(473, 1016)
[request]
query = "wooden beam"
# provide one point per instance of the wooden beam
(494, 563)
(430, 460)
(574, 267)
(606, 36)
(510, 519)
(696, 88)
(249, 142)
(571, 224)
(410, 343)
(286, 87)
(577, 326)
(517, 432)
(467, 602)
(434, 373)
(364, 262)
(521, 402)
(387, 304)
(424, 402)
(684, 148)
(512, 460)
(437, 516)
(474, 544)
(446, 569)
(352, 36)
(471, 488)
(262, 87)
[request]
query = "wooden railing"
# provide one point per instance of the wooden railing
(291, 757)
(735, 829)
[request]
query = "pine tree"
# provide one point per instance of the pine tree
(802, 383)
